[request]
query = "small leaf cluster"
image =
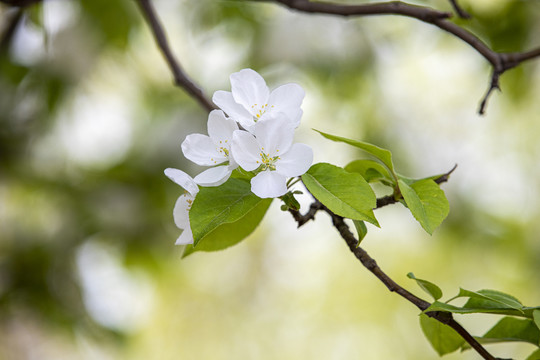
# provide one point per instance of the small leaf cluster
(346, 191)
(519, 323)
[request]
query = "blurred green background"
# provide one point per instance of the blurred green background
(89, 119)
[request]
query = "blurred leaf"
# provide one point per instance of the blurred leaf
(113, 19)
(385, 156)
(427, 203)
(346, 194)
(361, 230)
(536, 317)
(506, 29)
(230, 234)
(214, 206)
(370, 170)
(534, 356)
(427, 286)
(510, 329)
(442, 337)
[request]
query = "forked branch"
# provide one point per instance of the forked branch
(500, 62)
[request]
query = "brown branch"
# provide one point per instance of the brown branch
(494, 85)
(382, 201)
(421, 13)
(391, 199)
(370, 264)
(461, 13)
(500, 62)
(13, 21)
(181, 79)
(20, 3)
(310, 215)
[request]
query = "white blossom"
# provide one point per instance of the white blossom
(212, 149)
(250, 101)
(270, 151)
(183, 204)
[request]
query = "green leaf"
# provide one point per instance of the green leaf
(230, 234)
(361, 229)
(385, 156)
(485, 308)
(344, 193)
(490, 299)
(534, 356)
(214, 206)
(240, 173)
(511, 329)
(370, 170)
(427, 203)
(427, 286)
(536, 317)
(410, 181)
(442, 337)
(290, 201)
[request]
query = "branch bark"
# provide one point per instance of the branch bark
(500, 62)
(12, 21)
(461, 13)
(370, 264)
(181, 79)
(391, 199)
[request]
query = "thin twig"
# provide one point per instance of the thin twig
(310, 215)
(421, 13)
(391, 199)
(461, 13)
(494, 85)
(500, 62)
(181, 79)
(7, 34)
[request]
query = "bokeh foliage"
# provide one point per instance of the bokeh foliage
(52, 203)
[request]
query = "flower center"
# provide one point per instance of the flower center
(189, 199)
(268, 162)
(223, 148)
(259, 112)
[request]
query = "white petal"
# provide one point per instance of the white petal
(245, 150)
(214, 176)
(249, 88)
(182, 179)
(225, 101)
(181, 211)
(293, 116)
(288, 99)
(220, 129)
(202, 151)
(269, 184)
(185, 238)
(296, 161)
(275, 135)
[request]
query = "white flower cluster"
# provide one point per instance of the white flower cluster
(262, 144)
